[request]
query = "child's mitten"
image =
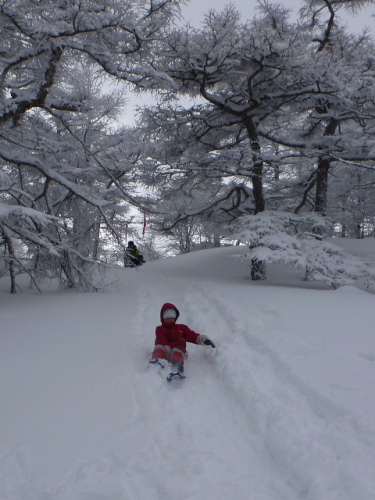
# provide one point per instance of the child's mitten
(204, 340)
(209, 342)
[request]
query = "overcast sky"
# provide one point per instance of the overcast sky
(194, 11)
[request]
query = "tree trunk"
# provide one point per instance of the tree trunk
(258, 268)
(322, 185)
(10, 250)
(257, 168)
(96, 241)
(324, 162)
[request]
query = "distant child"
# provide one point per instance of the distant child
(171, 338)
(133, 254)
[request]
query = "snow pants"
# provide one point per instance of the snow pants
(172, 355)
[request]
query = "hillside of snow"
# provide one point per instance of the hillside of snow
(282, 409)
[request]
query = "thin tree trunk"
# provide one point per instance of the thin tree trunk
(96, 237)
(257, 168)
(258, 268)
(324, 162)
(10, 250)
(322, 185)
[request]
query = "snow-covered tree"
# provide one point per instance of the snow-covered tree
(330, 129)
(351, 203)
(293, 239)
(276, 105)
(241, 74)
(339, 115)
(175, 215)
(58, 154)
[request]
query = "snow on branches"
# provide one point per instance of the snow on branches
(296, 241)
(64, 171)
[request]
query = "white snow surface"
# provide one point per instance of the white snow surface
(282, 409)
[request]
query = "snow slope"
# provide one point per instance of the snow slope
(282, 409)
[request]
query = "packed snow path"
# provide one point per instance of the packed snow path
(282, 409)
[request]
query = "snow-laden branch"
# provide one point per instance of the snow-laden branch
(52, 174)
(295, 240)
(11, 210)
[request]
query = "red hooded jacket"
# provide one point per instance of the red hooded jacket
(172, 334)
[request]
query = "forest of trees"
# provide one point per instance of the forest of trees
(259, 119)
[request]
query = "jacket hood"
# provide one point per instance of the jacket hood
(168, 306)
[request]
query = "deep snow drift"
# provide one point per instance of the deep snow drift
(282, 409)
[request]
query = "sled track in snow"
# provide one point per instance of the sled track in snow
(193, 425)
(301, 431)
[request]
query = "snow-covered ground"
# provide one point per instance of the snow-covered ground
(282, 409)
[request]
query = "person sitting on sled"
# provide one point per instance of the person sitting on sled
(133, 254)
(171, 338)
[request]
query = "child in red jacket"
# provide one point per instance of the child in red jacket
(171, 338)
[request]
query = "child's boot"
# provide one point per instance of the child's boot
(178, 366)
(159, 356)
(177, 361)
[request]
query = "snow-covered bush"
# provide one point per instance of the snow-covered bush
(296, 241)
